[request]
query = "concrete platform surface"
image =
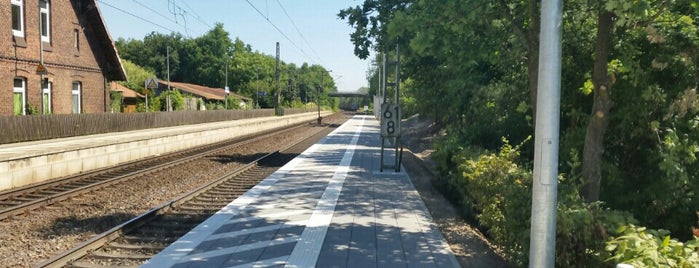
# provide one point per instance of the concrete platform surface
(25, 163)
(329, 207)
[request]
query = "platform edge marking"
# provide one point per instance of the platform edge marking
(307, 249)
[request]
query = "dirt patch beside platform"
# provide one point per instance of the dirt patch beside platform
(471, 247)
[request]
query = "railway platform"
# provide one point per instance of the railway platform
(329, 207)
(25, 163)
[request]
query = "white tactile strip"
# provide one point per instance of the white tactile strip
(307, 250)
(184, 249)
(285, 221)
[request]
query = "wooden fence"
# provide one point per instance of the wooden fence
(40, 127)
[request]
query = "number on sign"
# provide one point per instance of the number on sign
(390, 120)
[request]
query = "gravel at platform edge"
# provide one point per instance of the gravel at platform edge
(27, 240)
(471, 247)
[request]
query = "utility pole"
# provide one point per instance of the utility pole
(322, 75)
(226, 88)
(382, 87)
(320, 119)
(257, 88)
(168, 102)
(277, 95)
(542, 241)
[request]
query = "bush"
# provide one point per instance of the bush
(643, 247)
(498, 191)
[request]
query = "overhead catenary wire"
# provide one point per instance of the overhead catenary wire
(280, 31)
(176, 10)
(135, 16)
(155, 11)
(196, 16)
(299, 32)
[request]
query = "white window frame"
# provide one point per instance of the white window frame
(46, 91)
(20, 3)
(23, 90)
(45, 11)
(76, 92)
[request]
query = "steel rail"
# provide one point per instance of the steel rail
(100, 240)
(89, 183)
(69, 257)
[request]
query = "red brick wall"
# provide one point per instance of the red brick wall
(63, 62)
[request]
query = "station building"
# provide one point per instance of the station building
(79, 58)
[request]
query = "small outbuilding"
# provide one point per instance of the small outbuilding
(201, 93)
(129, 98)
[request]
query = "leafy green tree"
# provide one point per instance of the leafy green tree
(629, 80)
(137, 76)
(151, 53)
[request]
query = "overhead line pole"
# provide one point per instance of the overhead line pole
(542, 249)
(169, 91)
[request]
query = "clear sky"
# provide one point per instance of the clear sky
(322, 38)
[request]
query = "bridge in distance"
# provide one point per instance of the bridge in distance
(351, 100)
(348, 94)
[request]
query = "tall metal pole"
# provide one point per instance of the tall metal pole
(383, 82)
(379, 64)
(320, 119)
(277, 95)
(397, 76)
(225, 89)
(542, 250)
(257, 88)
(169, 102)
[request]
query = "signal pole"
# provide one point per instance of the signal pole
(277, 95)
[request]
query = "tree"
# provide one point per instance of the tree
(602, 103)
(137, 76)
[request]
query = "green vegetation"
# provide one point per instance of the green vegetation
(202, 60)
(629, 116)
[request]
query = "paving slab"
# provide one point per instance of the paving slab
(329, 207)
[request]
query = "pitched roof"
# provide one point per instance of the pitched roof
(113, 69)
(125, 91)
(203, 91)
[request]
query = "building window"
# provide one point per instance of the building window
(77, 87)
(18, 96)
(46, 96)
(17, 17)
(76, 40)
(45, 21)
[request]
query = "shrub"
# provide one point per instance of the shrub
(643, 247)
(498, 191)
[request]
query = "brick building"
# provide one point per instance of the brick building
(78, 54)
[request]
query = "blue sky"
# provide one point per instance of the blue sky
(326, 37)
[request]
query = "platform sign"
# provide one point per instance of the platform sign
(390, 120)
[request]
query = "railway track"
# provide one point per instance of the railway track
(135, 241)
(25, 199)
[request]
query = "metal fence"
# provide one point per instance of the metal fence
(40, 127)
